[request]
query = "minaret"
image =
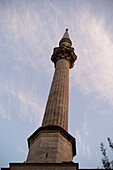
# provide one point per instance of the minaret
(52, 143)
(51, 147)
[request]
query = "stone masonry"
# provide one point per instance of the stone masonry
(56, 112)
(51, 144)
(40, 166)
(48, 145)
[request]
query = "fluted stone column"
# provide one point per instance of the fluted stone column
(56, 112)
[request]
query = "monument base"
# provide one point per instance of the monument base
(43, 166)
(51, 144)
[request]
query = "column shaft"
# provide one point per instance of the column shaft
(56, 112)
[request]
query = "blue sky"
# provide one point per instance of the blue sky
(29, 30)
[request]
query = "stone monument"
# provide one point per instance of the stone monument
(51, 147)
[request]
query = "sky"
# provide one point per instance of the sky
(29, 31)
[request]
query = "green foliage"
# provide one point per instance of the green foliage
(107, 164)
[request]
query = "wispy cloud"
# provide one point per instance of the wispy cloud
(103, 113)
(94, 71)
(27, 45)
(78, 136)
(85, 128)
(23, 61)
(4, 114)
(29, 31)
(26, 104)
(83, 149)
(88, 151)
(22, 150)
(82, 145)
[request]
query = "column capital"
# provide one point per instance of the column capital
(64, 52)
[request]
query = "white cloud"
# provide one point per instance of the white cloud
(82, 146)
(21, 150)
(30, 41)
(25, 44)
(25, 36)
(93, 71)
(103, 113)
(27, 105)
(88, 151)
(85, 128)
(4, 114)
(77, 134)
(83, 149)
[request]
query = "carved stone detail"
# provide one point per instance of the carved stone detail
(64, 52)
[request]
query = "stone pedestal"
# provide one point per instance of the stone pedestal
(51, 144)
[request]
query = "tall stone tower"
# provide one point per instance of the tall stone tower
(51, 146)
(52, 143)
